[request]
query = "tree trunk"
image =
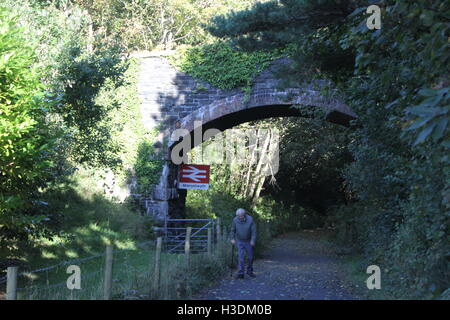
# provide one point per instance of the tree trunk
(252, 150)
(259, 166)
(261, 181)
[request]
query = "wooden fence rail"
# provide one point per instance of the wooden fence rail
(108, 273)
(155, 281)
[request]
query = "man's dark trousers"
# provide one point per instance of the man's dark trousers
(241, 247)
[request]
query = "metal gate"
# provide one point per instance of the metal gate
(175, 234)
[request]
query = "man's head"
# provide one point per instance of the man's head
(240, 213)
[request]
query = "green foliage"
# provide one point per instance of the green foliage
(431, 115)
(147, 170)
(150, 24)
(74, 67)
(72, 107)
(121, 104)
(222, 66)
(396, 80)
(313, 153)
(26, 143)
(406, 196)
(81, 203)
(84, 220)
(80, 78)
(134, 142)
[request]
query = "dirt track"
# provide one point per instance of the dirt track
(296, 266)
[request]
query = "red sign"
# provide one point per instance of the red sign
(193, 176)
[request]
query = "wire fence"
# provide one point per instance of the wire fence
(53, 267)
(146, 273)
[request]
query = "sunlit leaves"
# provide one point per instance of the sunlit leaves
(25, 142)
(221, 65)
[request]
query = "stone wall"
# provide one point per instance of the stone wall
(172, 99)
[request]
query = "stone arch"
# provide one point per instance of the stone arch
(170, 99)
(228, 112)
(231, 111)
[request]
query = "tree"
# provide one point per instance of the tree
(74, 67)
(27, 143)
(153, 24)
(396, 80)
(51, 77)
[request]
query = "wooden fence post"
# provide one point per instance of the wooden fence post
(225, 233)
(218, 231)
(11, 283)
(209, 242)
(107, 285)
(157, 265)
(187, 246)
(187, 253)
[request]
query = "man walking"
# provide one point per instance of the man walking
(243, 235)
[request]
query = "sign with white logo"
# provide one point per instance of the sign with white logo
(193, 176)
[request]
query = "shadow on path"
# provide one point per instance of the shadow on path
(297, 265)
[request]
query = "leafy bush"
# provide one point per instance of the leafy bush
(147, 170)
(26, 143)
(135, 152)
(222, 66)
(396, 80)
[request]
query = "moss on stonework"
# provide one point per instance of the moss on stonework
(221, 65)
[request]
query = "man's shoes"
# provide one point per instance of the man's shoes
(239, 276)
(251, 274)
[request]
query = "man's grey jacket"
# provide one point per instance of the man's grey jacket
(243, 230)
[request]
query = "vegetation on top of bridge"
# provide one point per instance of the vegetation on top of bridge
(222, 66)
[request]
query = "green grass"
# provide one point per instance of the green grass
(133, 272)
(89, 222)
(127, 264)
(355, 265)
(86, 222)
(131, 276)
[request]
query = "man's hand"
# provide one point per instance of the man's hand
(252, 243)
(233, 242)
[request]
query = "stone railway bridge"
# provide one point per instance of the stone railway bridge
(171, 99)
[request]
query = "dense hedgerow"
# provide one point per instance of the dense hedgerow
(396, 80)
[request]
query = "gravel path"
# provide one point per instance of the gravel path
(296, 266)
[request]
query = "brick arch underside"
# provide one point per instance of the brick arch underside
(229, 112)
(232, 111)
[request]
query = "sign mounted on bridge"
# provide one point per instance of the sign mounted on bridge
(193, 176)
